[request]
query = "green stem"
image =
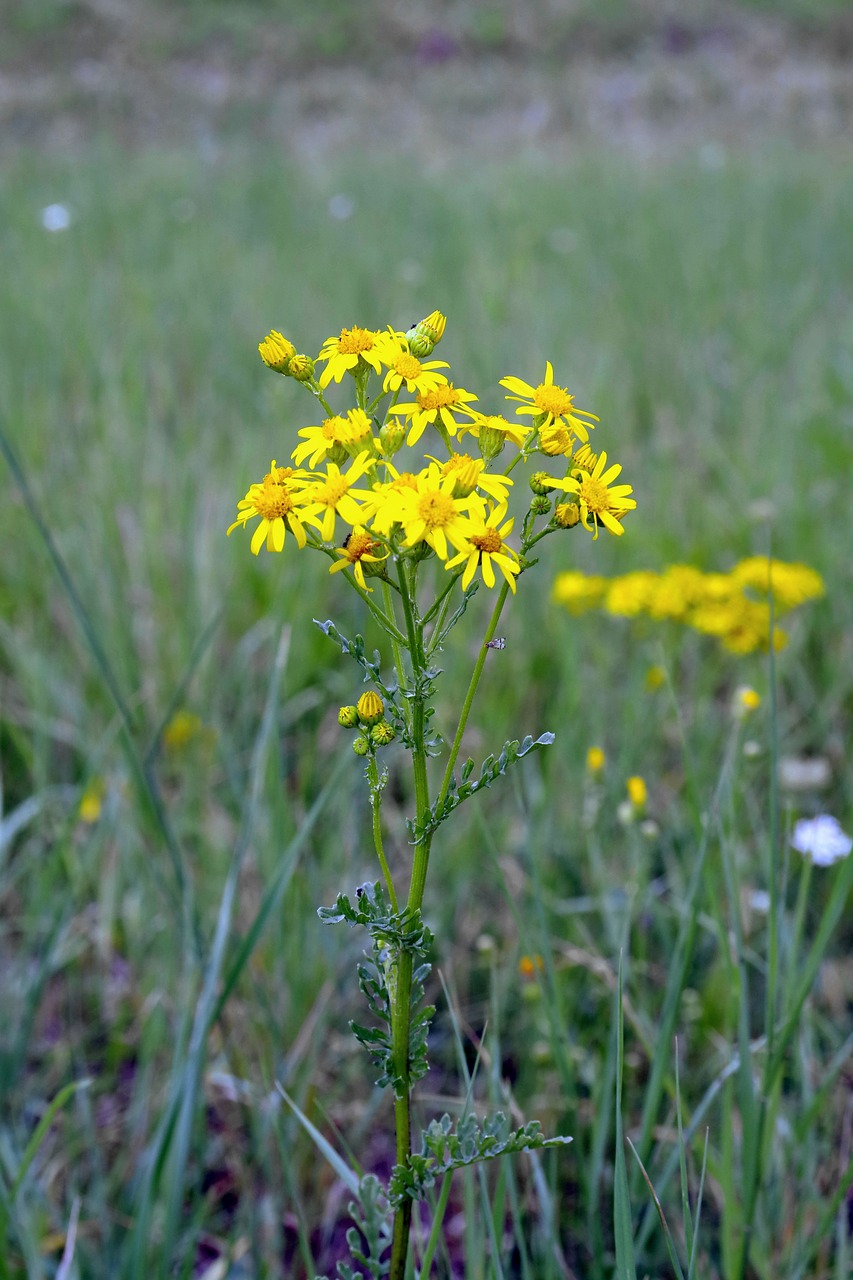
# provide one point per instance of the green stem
(435, 1233)
(401, 1015)
(376, 807)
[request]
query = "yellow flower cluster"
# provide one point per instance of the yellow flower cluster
(455, 505)
(734, 607)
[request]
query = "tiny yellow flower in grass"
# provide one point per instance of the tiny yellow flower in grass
(438, 406)
(637, 792)
(276, 351)
(342, 354)
(92, 801)
(370, 708)
(746, 699)
(357, 552)
(595, 760)
(551, 403)
(529, 966)
(484, 548)
(277, 501)
(335, 496)
(579, 592)
(599, 503)
(181, 729)
(655, 678)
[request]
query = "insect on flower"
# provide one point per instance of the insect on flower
(498, 643)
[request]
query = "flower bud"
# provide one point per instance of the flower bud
(381, 734)
(276, 351)
(391, 436)
(361, 746)
(490, 440)
(348, 717)
(541, 482)
(301, 368)
(370, 708)
(540, 506)
(423, 337)
(567, 514)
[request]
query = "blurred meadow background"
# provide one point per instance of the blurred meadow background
(659, 199)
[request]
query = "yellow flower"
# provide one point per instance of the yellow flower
(791, 584)
(370, 708)
(438, 406)
(557, 440)
(329, 440)
(578, 591)
(629, 595)
(470, 474)
(276, 351)
(492, 432)
(655, 678)
(425, 335)
(595, 759)
(550, 403)
(336, 495)
(485, 547)
(181, 729)
(637, 792)
(528, 966)
(403, 367)
(277, 500)
(343, 353)
(678, 589)
(359, 549)
(747, 699)
(426, 508)
(599, 503)
(92, 801)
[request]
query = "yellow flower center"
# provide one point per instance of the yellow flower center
(595, 495)
(553, 400)
(332, 491)
(436, 510)
(335, 428)
(442, 397)
(489, 541)
(358, 545)
(273, 500)
(408, 366)
(353, 341)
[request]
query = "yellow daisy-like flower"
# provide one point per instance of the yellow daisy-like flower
(557, 440)
(485, 547)
(329, 440)
(428, 511)
(470, 474)
(277, 500)
(791, 584)
(549, 402)
(628, 596)
(343, 353)
(438, 406)
(335, 496)
(494, 430)
(358, 550)
(599, 504)
(403, 367)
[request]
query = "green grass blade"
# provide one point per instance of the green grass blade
(623, 1229)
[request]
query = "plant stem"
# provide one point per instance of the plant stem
(376, 808)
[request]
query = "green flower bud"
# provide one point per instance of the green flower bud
(391, 436)
(348, 717)
(425, 335)
(541, 482)
(540, 505)
(361, 746)
(381, 734)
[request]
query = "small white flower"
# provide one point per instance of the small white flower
(55, 217)
(821, 839)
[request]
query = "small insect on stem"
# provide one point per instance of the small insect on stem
(499, 642)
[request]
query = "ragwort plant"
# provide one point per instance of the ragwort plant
(416, 545)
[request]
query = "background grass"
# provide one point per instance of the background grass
(704, 314)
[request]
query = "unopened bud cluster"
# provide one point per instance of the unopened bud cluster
(368, 716)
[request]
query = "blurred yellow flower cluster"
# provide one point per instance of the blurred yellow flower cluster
(453, 506)
(734, 607)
